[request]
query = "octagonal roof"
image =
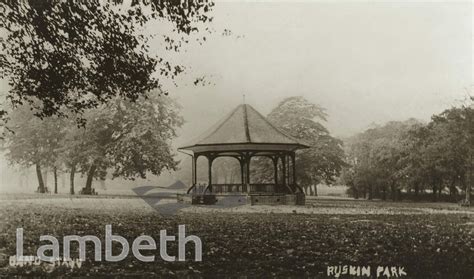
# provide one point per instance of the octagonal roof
(244, 129)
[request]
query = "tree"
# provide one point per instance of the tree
(375, 157)
(440, 153)
(65, 55)
(324, 160)
(33, 142)
(142, 139)
(73, 150)
(413, 168)
(130, 138)
(453, 137)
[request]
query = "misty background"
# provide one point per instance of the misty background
(365, 62)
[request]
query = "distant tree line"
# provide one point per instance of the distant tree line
(409, 159)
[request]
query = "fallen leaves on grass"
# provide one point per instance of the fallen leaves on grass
(253, 245)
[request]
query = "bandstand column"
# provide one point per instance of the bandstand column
(283, 161)
(293, 164)
(288, 169)
(247, 171)
(275, 167)
(210, 159)
(243, 175)
(194, 175)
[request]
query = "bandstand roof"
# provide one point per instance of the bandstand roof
(243, 129)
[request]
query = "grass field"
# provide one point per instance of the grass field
(430, 240)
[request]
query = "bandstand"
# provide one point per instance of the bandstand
(243, 134)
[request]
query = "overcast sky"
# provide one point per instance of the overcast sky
(365, 62)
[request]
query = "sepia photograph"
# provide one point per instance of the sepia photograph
(236, 139)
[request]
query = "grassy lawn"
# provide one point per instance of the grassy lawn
(429, 240)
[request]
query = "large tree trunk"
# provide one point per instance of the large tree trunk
(316, 190)
(90, 177)
(452, 186)
(452, 190)
(417, 190)
(394, 191)
(311, 190)
(40, 179)
(71, 180)
(355, 193)
(55, 174)
(434, 192)
(470, 180)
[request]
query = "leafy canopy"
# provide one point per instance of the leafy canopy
(74, 55)
(323, 161)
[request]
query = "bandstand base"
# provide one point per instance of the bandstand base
(242, 199)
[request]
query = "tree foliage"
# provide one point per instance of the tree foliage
(375, 156)
(33, 142)
(141, 138)
(411, 157)
(66, 55)
(323, 161)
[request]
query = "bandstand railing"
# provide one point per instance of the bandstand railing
(238, 188)
(262, 188)
(228, 188)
